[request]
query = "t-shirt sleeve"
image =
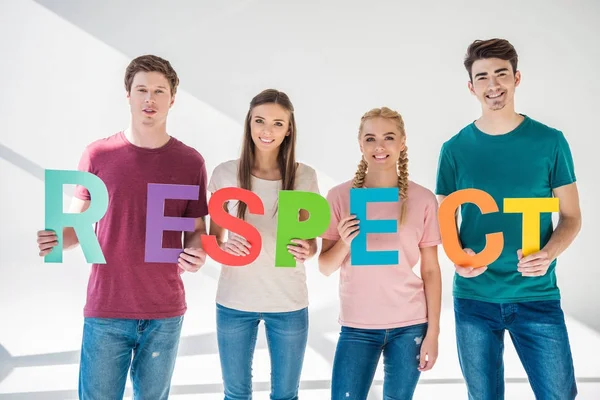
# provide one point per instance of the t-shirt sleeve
(215, 180)
(334, 206)
(563, 169)
(313, 182)
(199, 208)
(85, 165)
(431, 229)
(445, 180)
(309, 181)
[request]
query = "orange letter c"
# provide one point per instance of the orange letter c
(448, 230)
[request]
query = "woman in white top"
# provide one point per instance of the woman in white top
(260, 290)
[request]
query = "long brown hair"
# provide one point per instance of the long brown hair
(286, 157)
(401, 163)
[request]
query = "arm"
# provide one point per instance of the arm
(192, 239)
(333, 253)
(569, 221)
(70, 240)
(216, 230)
(563, 183)
(47, 240)
(193, 256)
(569, 225)
(432, 280)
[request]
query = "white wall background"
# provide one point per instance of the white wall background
(61, 73)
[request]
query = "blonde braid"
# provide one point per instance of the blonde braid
(402, 163)
(403, 182)
(359, 176)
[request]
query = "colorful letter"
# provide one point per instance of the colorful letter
(156, 222)
(531, 209)
(450, 241)
(82, 223)
(290, 227)
(358, 207)
(233, 224)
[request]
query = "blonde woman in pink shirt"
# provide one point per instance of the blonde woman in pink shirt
(384, 308)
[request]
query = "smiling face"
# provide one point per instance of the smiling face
(494, 83)
(381, 143)
(269, 125)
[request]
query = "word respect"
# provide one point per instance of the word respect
(288, 224)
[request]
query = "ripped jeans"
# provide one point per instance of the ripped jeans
(357, 356)
(111, 347)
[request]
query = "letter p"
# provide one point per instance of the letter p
(290, 227)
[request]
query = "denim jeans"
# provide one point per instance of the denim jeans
(287, 334)
(111, 346)
(539, 334)
(357, 356)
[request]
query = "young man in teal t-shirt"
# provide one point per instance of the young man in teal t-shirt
(510, 155)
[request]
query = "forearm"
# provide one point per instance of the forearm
(219, 236)
(312, 250)
(70, 239)
(192, 239)
(432, 281)
(331, 260)
(565, 233)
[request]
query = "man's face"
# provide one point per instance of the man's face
(494, 83)
(150, 98)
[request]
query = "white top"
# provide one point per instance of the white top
(260, 286)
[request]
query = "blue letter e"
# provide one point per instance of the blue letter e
(358, 207)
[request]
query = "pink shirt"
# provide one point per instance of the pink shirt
(126, 286)
(386, 296)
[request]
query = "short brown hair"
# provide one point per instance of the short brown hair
(491, 48)
(151, 63)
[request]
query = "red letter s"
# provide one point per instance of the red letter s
(233, 224)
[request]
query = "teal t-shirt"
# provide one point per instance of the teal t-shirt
(529, 161)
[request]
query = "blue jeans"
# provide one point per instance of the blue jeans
(539, 334)
(111, 346)
(287, 334)
(357, 355)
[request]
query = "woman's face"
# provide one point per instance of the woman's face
(269, 125)
(381, 143)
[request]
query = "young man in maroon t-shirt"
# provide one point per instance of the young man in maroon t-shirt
(134, 309)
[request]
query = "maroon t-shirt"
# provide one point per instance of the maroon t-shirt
(126, 286)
